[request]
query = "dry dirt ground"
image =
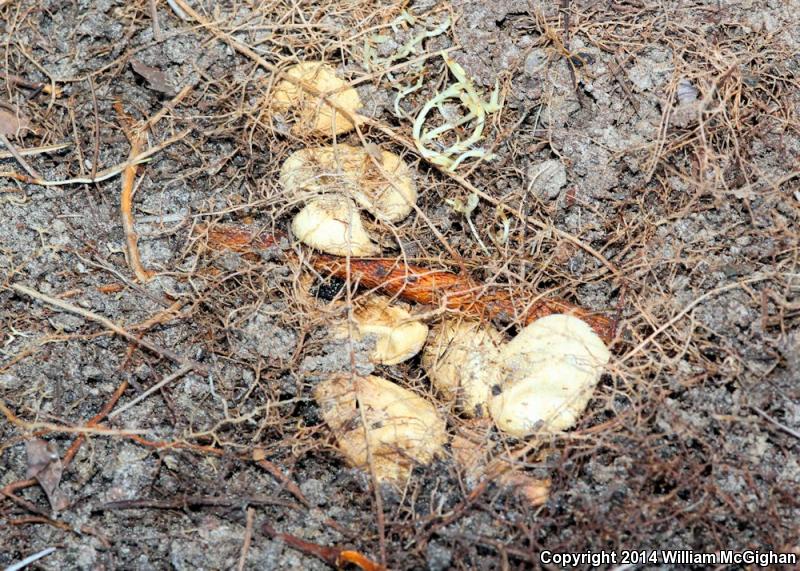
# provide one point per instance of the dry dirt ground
(659, 136)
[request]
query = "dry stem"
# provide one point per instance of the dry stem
(108, 324)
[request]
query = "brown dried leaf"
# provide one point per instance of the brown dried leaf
(535, 491)
(12, 123)
(44, 464)
(471, 452)
(156, 79)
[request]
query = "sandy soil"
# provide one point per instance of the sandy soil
(646, 158)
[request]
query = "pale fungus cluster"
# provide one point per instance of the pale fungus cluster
(323, 104)
(336, 182)
(398, 429)
(379, 181)
(332, 224)
(461, 359)
(537, 383)
(379, 423)
(548, 373)
(540, 381)
(398, 336)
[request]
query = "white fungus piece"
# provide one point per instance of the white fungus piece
(332, 224)
(379, 181)
(397, 336)
(400, 429)
(461, 359)
(549, 371)
(311, 112)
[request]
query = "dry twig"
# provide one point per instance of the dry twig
(108, 324)
(421, 285)
(333, 556)
(17, 155)
(135, 138)
(103, 174)
(158, 386)
(248, 537)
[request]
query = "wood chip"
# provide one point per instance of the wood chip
(13, 124)
(44, 464)
(156, 79)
